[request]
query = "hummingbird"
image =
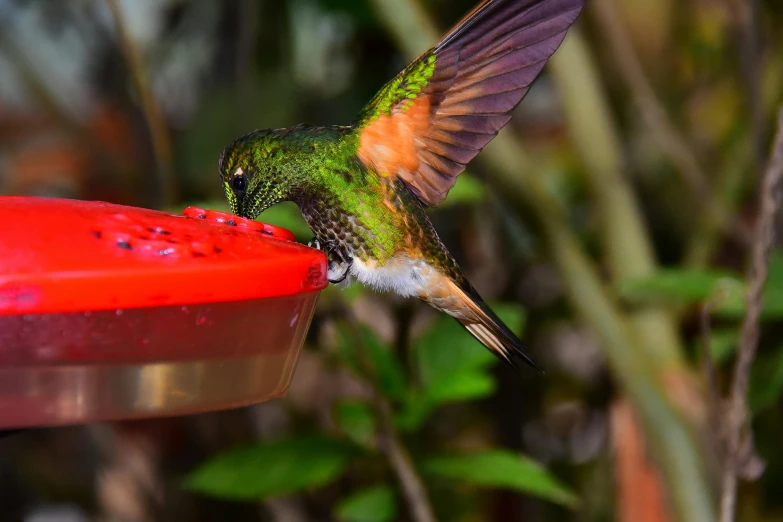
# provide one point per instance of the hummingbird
(364, 188)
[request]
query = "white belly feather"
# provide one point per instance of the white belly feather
(402, 275)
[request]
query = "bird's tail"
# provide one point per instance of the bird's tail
(489, 329)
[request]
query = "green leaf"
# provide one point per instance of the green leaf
(364, 351)
(693, 286)
(466, 191)
(414, 412)
(450, 363)
(463, 387)
(678, 286)
(272, 469)
(356, 419)
(453, 365)
(446, 349)
(375, 504)
(500, 469)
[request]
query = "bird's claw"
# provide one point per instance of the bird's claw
(336, 272)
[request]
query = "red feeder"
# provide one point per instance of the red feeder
(113, 312)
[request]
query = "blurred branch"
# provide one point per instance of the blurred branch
(714, 400)
(672, 143)
(129, 485)
(627, 244)
(745, 13)
(247, 40)
(728, 192)
(413, 490)
(247, 23)
(630, 68)
(634, 366)
(732, 180)
(161, 142)
(757, 275)
(751, 49)
(412, 487)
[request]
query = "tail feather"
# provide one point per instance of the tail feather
(500, 341)
(490, 330)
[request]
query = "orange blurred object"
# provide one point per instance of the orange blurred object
(640, 497)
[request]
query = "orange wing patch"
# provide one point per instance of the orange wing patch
(389, 143)
(430, 121)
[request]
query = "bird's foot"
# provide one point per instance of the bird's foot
(338, 269)
(337, 273)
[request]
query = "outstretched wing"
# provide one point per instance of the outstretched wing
(433, 118)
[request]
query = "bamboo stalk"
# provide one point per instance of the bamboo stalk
(627, 245)
(667, 431)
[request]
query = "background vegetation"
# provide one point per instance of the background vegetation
(612, 225)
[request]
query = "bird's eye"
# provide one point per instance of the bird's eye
(239, 183)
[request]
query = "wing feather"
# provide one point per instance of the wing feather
(432, 119)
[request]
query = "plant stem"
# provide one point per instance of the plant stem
(161, 143)
(746, 17)
(412, 487)
(389, 442)
(627, 244)
(729, 184)
(757, 275)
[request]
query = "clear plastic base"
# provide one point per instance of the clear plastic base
(84, 367)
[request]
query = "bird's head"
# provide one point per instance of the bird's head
(251, 174)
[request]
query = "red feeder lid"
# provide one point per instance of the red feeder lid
(59, 255)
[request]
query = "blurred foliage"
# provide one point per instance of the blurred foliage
(723, 291)
(500, 469)
(488, 443)
(445, 376)
(376, 504)
(272, 469)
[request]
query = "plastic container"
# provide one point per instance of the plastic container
(110, 312)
